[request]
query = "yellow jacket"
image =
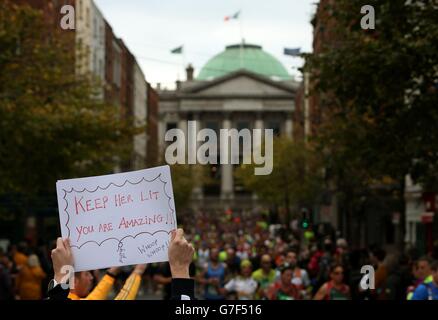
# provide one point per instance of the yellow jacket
(29, 283)
(20, 259)
(100, 292)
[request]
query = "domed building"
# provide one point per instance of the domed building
(246, 56)
(241, 87)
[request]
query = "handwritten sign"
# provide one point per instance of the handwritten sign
(119, 219)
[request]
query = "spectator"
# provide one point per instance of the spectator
(29, 280)
(428, 290)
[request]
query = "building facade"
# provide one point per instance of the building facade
(140, 118)
(90, 41)
(113, 67)
(101, 54)
(243, 87)
(421, 222)
(152, 100)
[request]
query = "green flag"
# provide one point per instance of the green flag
(178, 50)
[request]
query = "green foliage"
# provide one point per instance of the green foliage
(379, 89)
(296, 179)
(52, 126)
(378, 92)
(184, 179)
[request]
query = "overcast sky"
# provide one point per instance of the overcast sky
(151, 28)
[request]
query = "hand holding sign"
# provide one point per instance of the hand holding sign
(180, 255)
(117, 220)
(62, 258)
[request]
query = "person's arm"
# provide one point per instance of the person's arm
(61, 257)
(39, 273)
(183, 289)
(230, 286)
(420, 293)
(101, 291)
(162, 279)
(180, 257)
(201, 279)
(132, 284)
(322, 293)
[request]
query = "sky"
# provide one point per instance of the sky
(152, 28)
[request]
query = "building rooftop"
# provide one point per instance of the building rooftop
(244, 56)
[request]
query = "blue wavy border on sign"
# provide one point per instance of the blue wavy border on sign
(118, 186)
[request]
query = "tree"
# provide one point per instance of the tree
(385, 81)
(296, 179)
(52, 126)
(184, 179)
(183, 184)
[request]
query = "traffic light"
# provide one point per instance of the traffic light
(305, 222)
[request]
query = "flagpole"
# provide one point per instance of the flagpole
(183, 59)
(241, 39)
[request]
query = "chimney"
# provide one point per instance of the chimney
(158, 86)
(190, 71)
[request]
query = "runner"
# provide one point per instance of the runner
(213, 277)
(300, 276)
(265, 276)
(243, 286)
(334, 289)
(284, 289)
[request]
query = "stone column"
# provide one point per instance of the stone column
(227, 183)
(182, 125)
(161, 135)
(198, 168)
(258, 124)
(289, 126)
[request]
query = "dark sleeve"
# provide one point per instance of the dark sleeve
(58, 293)
(192, 270)
(183, 287)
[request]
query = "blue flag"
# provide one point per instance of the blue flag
(292, 52)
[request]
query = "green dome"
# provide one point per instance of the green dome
(245, 56)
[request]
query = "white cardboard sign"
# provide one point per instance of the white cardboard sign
(119, 219)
